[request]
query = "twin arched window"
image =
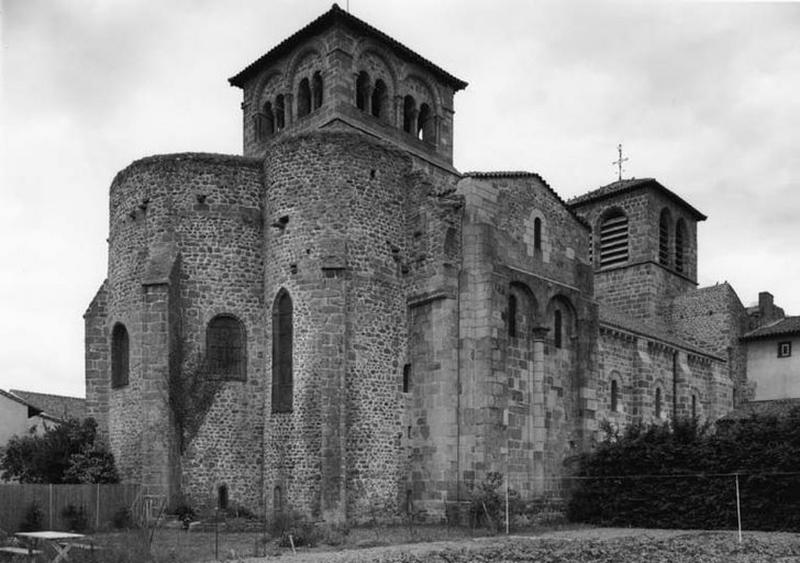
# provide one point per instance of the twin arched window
(273, 114)
(282, 344)
(226, 349)
(120, 356)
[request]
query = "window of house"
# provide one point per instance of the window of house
(226, 353)
(680, 245)
(409, 114)
(784, 349)
(120, 356)
(663, 237)
(537, 234)
(614, 396)
(362, 90)
(557, 332)
(614, 240)
(316, 90)
(282, 335)
(512, 316)
(380, 99)
(304, 98)
(658, 402)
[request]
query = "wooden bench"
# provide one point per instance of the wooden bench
(20, 551)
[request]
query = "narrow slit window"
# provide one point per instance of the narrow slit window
(282, 337)
(120, 356)
(409, 114)
(658, 402)
(379, 99)
(316, 90)
(512, 316)
(614, 396)
(537, 233)
(406, 378)
(557, 329)
(280, 113)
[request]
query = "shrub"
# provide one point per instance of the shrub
(122, 518)
(293, 524)
(33, 519)
(488, 502)
(683, 475)
(76, 518)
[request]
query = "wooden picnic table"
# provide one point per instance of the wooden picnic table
(61, 542)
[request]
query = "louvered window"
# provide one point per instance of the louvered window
(614, 240)
(680, 242)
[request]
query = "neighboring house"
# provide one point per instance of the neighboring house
(18, 417)
(773, 359)
(58, 406)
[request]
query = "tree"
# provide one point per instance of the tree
(69, 453)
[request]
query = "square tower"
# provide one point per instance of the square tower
(643, 247)
(339, 71)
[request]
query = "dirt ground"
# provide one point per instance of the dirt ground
(584, 544)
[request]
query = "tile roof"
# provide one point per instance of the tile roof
(629, 185)
(326, 20)
(614, 318)
(58, 406)
(785, 326)
(777, 408)
(524, 174)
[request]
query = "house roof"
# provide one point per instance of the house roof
(524, 174)
(58, 406)
(781, 327)
(328, 19)
(32, 410)
(626, 186)
(613, 318)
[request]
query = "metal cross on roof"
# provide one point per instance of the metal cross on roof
(618, 163)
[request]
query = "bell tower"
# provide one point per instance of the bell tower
(340, 72)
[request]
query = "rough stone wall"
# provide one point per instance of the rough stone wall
(340, 55)
(98, 360)
(185, 244)
(338, 453)
(714, 318)
(526, 403)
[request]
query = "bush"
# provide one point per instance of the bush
(293, 524)
(683, 475)
(488, 502)
(33, 519)
(122, 518)
(76, 518)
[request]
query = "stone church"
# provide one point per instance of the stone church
(339, 321)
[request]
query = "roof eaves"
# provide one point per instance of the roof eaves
(524, 174)
(627, 186)
(336, 14)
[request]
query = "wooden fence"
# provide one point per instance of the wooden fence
(100, 502)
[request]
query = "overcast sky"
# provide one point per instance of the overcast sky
(703, 97)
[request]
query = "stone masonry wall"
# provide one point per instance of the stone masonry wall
(197, 216)
(338, 452)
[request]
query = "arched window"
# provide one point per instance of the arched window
(362, 90)
(614, 239)
(663, 237)
(426, 125)
(512, 316)
(316, 90)
(658, 402)
(380, 99)
(557, 328)
(266, 122)
(537, 234)
(303, 98)
(120, 356)
(280, 113)
(226, 353)
(409, 114)
(680, 245)
(614, 396)
(282, 336)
